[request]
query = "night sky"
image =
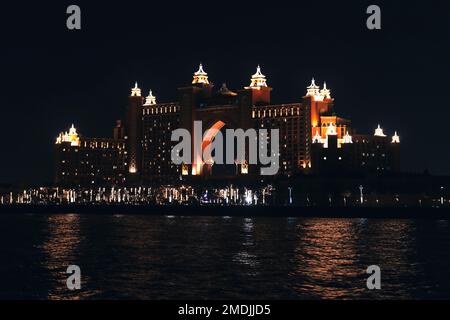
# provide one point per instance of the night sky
(51, 77)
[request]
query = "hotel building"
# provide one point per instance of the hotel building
(312, 138)
(90, 161)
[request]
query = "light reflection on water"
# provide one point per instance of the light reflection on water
(140, 257)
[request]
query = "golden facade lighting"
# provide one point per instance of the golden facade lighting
(71, 136)
(331, 130)
(244, 167)
(132, 169)
(184, 169)
(317, 138)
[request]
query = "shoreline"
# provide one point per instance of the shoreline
(233, 211)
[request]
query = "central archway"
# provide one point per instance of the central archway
(205, 166)
(211, 133)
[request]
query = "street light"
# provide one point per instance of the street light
(361, 188)
(290, 195)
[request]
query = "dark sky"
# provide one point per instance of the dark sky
(51, 77)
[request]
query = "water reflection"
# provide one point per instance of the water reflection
(61, 249)
(142, 257)
(245, 256)
(333, 256)
(326, 252)
(63, 239)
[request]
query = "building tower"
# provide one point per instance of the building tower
(150, 100)
(259, 89)
(192, 98)
(379, 132)
(258, 79)
(200, 77)
(133, 133)
(395, 153)
(71, 137)
(321, 103)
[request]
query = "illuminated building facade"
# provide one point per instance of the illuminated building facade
(90, 161)
(158, 122)
(247, 108)
(140, 151)
(378, 153)
(336, 149)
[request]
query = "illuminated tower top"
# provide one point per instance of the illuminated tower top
(313, 89)
(73, 131)
(258, 79)
(150, 100)
(379, 132)
(325, 92)
(395, 138)
(135, 92)
(319, 95)
(347, 138)
(71, 137)
(200, 76)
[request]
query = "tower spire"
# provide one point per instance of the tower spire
(325, 92)
(347, 138)
(258, 79)
(200, 76)
(135, 92)
(379, 132)
(313, 89)
(395, 138)
(150, 99)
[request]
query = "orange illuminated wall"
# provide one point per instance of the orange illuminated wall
(317, 109)
(342, 125)
(261, 95)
